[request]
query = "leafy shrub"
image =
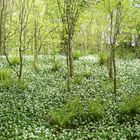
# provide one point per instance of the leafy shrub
(22, 85)
(95, 109)
(77, 109)
(58, 118)
(78, 79)
(86, 74)
(130, 105)
(74, 106)
(4, 78)
(14, 60)
(103, 58)
(76, 55)
(4, 74)
(56, 51)
(56, 66)
(64, 116)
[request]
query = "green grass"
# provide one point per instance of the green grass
(14, 60)
(5, 78)
(77, 54)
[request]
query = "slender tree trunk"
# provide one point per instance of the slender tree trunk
(0, 37)
(69, 16)
(2, 5)
(20, 54)
(112, 55)
(111, 45)
(110, 68)
(35, 46)
(68, 68)
(114, 69)
(70, 61)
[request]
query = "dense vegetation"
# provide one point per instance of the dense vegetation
(41, 108)
(69, 70)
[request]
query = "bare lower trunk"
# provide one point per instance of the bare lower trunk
(35, 49)
(68, 69)
(20, 52)
(0, 39)
(21, 61)
(114, 71)
(110, 68)
(1, 16)
(70, 62)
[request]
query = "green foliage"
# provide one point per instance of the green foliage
(78, 79)
(128, 53)
(77, 54)
(25, 113)
(56, 66)
(76, 109)
(130, 105)
(22, 85)
(56, 51)
(5, 77)
(64, 116)
(95, 109)
(14, 60)
(86, 74)
(103, 58)
(4, 74)
(58, 118)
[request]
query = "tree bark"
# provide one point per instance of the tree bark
(2, 5)
(114, 69)
(0, 37)
(35, 46)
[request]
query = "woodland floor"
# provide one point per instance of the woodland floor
(25, 108)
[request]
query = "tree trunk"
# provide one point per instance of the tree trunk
(20, 56)
(0, 37)
(114, 69)
(70, 61)
(68, 68)
(110, 68)
(111, 51)
(35, 46)
(1, 17)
